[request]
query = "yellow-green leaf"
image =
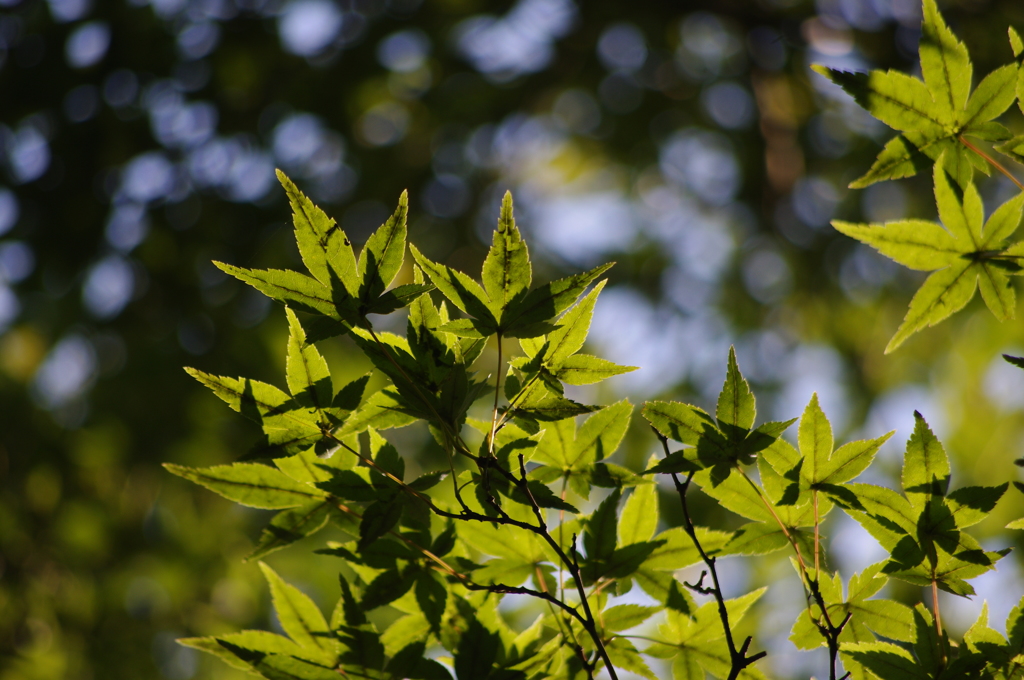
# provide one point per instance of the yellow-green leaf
(257, 486)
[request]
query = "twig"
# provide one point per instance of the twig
(829, 631)
(588, 621)
(992, 161)
(738, 657)
(573, 565)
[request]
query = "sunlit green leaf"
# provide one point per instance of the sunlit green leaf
(925, 466)
(736, 401)
(289, 526)
(300, 618)
(252, 484)
(639, 518)
(287, 287)
(326, 250)
(506, 272)
(383, 254)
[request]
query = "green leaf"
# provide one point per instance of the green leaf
(1015, 629)
(476, 653)
(735, 401)
(677, 551)
(925, 466)
(410, 663)
(506, 272)
(382, 411)
(573, 327)
(387, 587)
(898, 159)
(981, 637)
(756, 538)
(287, 287)
(815, 438)
(624, 655)
(945, 64)
(639, 518)
(347, 612)
(677, 421)
(850, 460)
(252, 484)
(990, 132)
(541, 405)
(289, 526)
(548, 301)
(300, 618)
(584, 369)
(466, 328)
(601, 433)
(971, 504)
(383, 254)
(961, 212)
(398, 297)
(253, 399)
(898, 100)
(994, 94)
(379, 518)
(943, 293)
(279, 667)
(431, 596)
(675, 463)
(461, 290)
(932, 114)
(886, 660)
(325, 249)
(625, 616)
(309, 379)
(1014, 148)
(599, 538)
(965, 254)
(259, 641)
(916, 244)
(1003, 222)
(1016, 44)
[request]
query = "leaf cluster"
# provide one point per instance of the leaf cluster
(938, 117)
(530, 503)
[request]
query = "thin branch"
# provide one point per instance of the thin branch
(573, 565)
(738, 657)
(829, 631)
(991, 161)
(465, 580)
(588, 621)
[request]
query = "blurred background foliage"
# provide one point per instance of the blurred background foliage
(688, 141)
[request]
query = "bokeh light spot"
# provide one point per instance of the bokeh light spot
(87, 44)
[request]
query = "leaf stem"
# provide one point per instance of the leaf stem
(829, 630)
(497, 393)
(991, 161)
(817, 535)
(738, 657)
(938, 616)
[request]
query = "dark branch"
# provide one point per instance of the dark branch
(738, 657)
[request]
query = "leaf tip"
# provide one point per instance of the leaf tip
(823, 70)
(1016, 361)
(1016, 44)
